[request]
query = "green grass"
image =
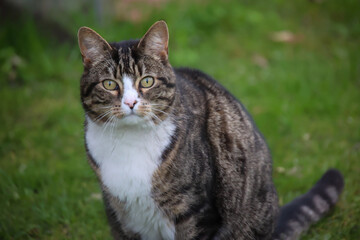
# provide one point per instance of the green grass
(305, 99)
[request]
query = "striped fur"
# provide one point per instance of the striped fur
(213, 178)
(299, 214)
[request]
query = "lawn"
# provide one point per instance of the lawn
(295, 65)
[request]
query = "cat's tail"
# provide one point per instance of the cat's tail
(296, 216)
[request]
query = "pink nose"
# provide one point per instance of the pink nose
(130, 102)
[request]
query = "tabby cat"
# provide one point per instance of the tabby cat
(177, 156)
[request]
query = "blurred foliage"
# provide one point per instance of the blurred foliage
(294, 64)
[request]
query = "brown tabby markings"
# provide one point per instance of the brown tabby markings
(214, 145)
(214, 180)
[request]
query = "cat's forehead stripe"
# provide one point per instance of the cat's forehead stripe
(126, 61)
(110, 69)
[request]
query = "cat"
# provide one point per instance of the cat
(177, 156)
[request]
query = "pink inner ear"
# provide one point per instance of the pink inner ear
(163, 55)
(86, 60)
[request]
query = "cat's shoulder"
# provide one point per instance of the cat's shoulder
(202, 81)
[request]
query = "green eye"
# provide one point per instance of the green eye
(147, 82)
(110, 85)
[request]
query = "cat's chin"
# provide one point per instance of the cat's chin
(132, 120)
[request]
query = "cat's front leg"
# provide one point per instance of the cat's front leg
(111, 209)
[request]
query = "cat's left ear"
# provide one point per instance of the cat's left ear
(93, 47)
(155, 41)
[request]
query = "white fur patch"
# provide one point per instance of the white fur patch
(128, 157)
(130, 94)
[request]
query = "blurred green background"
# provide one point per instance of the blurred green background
(294, 64)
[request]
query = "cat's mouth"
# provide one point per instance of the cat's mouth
(131, 118)
(132, 114)
(121, 113)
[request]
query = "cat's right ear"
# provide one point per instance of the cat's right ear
(92, 46)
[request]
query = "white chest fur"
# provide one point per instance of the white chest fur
(128, 158)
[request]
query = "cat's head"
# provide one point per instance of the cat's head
(127, 83)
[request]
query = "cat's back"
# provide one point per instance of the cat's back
(199, 81)
(203, 93)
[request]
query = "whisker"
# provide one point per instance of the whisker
(154, 126)
(158, 110)
(107, 123)
(101, 116)
(112, 127)
(182, 116)
(104, 107)
(156, 117)
(162, 105)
